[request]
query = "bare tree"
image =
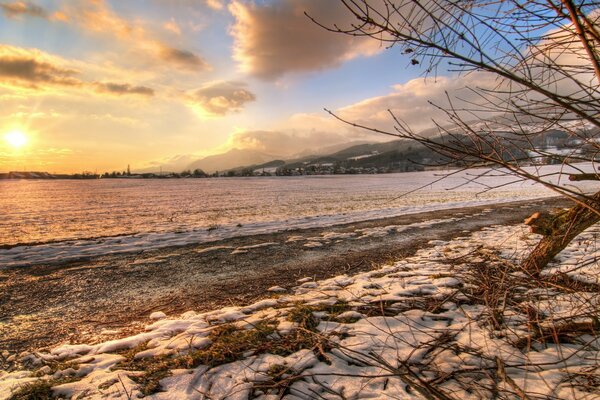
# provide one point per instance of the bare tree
(543, 56)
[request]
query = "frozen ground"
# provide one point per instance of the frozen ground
(457, 320)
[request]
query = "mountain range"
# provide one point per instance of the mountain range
(402, 154)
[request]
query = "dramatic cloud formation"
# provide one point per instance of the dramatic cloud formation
(220, 98)
(31, 72)
(274, 38)
(306, 133)
(411, 102)
(33, 69)
(97, 16)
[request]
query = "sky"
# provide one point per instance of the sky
(96, 85)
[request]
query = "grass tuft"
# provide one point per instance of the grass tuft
(38, 390)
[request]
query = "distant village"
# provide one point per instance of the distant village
(320, 169)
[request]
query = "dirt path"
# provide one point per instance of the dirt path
(112, 296)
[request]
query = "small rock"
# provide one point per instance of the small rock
(276, 289)
(350, 315)
(158, 315)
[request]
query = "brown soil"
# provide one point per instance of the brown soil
(112, 296)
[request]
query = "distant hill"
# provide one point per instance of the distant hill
(396, 155)
(328, 149)
(407, 155)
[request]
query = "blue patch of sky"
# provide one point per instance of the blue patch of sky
(52, 37)
(354, 81)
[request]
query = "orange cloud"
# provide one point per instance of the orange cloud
(96, 16)
(32, 72)
(220, 98)
(33, 69)
(172, 27)
(18, 9)
(215, 4)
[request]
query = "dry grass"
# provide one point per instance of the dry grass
(38, 390)
(229, 344)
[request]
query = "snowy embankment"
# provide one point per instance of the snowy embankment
(458, 320)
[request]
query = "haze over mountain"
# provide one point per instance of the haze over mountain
(238, 158)
(231, 159)
(352, 153)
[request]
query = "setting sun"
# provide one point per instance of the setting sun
(16, 139)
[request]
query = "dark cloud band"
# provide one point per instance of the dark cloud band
(21, 68)
(18, 8)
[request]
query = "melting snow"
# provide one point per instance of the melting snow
(399, 326)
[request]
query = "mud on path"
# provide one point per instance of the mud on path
(112, 296)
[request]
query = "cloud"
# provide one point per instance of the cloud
(290, 143)
(215, 4)
(123, 88)
(275, 38)
(173, 27)
(97, 17)
(220, 98)
(316, 133)
(32, 72)
(183, 58)
(17, 9)
(22, 8)
(411, 102)
(33, 69)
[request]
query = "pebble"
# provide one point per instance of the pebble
(158, 315)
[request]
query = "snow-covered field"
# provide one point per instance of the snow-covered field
(457, 320)
(59, 221)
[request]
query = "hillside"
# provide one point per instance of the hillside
(230, 160)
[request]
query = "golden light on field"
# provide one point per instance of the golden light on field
(16, 139)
